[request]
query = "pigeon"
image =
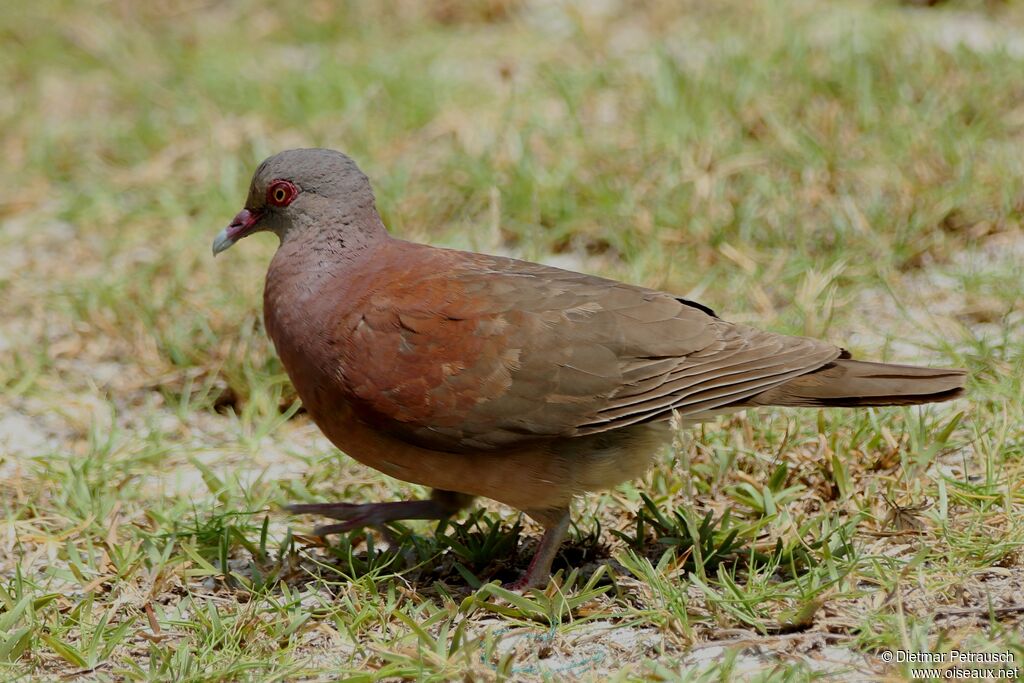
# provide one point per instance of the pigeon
(486, 376)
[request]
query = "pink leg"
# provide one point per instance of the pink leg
(556, 524)
(442, 504)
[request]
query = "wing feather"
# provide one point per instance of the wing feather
(470, 352)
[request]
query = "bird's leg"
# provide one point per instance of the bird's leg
(556, 524)
(440, 505)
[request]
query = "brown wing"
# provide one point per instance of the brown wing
(469, 352)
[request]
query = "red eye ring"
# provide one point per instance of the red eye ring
(281, 193)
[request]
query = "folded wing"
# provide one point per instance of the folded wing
(469, 352)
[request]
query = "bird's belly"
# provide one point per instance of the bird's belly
(603, 460)
(539, 475)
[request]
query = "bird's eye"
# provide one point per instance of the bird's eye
(281, 193)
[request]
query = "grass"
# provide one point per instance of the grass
(849, 171)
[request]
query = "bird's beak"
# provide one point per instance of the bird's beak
(241, 225)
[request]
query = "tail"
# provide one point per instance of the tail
(851, 383)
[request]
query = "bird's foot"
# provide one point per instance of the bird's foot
(358, 515)
(538, 573)
(525, 583)
(440, 505)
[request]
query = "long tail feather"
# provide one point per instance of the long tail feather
(851, 383)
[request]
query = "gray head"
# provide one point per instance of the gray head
(303, 189)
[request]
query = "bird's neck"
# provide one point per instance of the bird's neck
(315, 256)
(341, 237)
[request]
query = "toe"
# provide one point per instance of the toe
(523, 583)
(344, 527)
(332, 510)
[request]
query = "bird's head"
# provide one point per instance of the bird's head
(299, 189)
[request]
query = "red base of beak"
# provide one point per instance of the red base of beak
(241, 225)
